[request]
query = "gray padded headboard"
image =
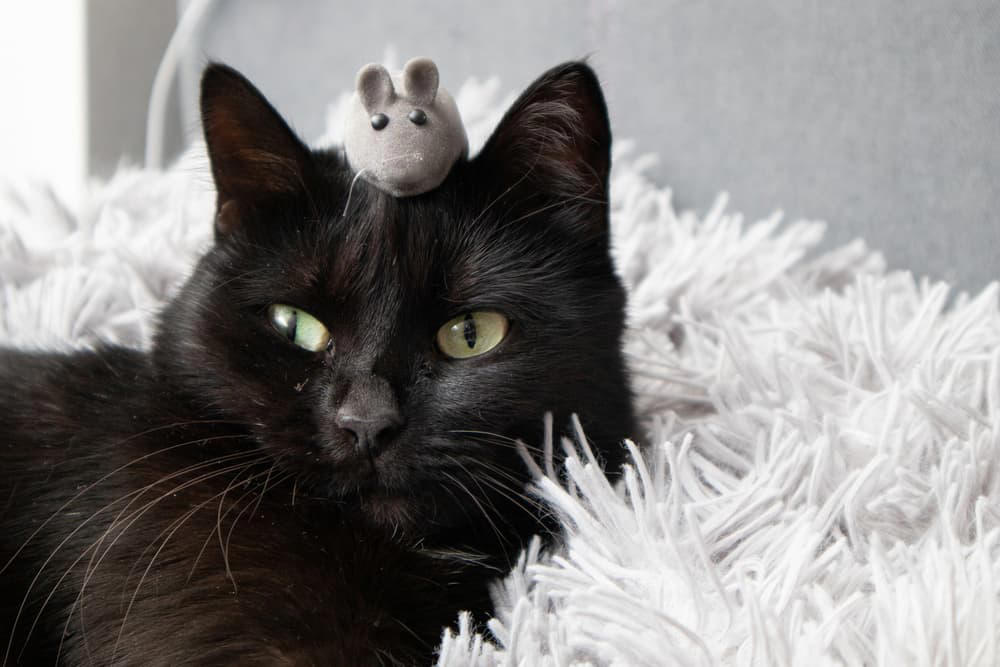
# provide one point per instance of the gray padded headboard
(881, 117)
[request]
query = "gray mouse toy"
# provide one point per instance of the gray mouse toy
(403, 133)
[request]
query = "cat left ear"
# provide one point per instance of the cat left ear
(255, 156)
(556, 141)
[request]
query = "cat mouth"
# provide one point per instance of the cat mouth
(382, 504)
(394, 511)
(369, 478)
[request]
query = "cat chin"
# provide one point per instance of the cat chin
(396, 513)
(387, 502)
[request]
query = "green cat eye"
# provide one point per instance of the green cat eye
(472, 334)
(299, 327)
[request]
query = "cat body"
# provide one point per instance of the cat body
(297, 473)
(182, 546)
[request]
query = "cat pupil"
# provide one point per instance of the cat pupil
(469, 330)
(287, 323)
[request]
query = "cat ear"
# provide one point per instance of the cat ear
(375, 88)
(255, 156)
(556, 139)
(420, 80)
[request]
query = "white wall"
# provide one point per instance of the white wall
(43, 105)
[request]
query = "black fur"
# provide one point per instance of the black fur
(199, 504)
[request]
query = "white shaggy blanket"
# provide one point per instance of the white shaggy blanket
(820, 481)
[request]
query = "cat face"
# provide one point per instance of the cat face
(389, 352)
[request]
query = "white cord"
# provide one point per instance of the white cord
(156, 114)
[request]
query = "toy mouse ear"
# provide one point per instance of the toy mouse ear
(375, 87)
(420, 80)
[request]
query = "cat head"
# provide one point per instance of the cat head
(389, 352)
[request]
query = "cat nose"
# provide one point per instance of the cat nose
(370, 414)
(370, 432)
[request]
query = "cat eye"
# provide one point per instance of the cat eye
(379, 121)
(299, 327)
(472, 334)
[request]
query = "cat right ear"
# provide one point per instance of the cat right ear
(256, 158)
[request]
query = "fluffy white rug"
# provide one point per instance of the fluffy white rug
(820, 484)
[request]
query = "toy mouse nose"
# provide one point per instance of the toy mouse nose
(369, 413)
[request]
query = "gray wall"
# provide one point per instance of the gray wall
(125, 40)
(882, 117)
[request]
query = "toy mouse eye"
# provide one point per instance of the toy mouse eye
(417, 117)
(379, 121)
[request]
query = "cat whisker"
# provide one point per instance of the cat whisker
(501, 540)
(232, 526)
(522, 450)
(500, 472)
(260, 497)
(96, 544)
(546, 452)
(218, 527)
(117, 470)
(117, 519)
(406, 627)
(238, 468)
(462, 431)
(457, 502)
(204, 545)
(491, 440)
(529, 506)
(229, 458)
(470, 558)
(494, 439)
(179, 522)
(474, 478)
(512, 493)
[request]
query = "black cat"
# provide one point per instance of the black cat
(316, 462)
